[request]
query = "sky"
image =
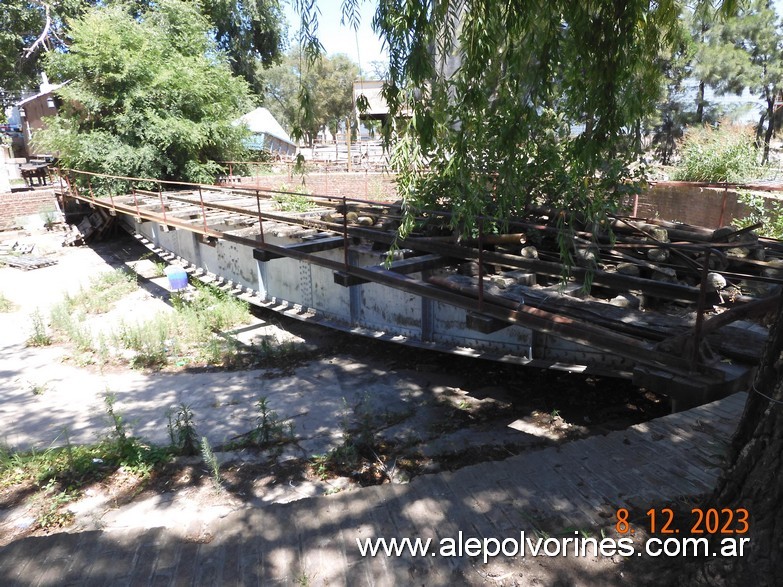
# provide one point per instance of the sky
(363, 47)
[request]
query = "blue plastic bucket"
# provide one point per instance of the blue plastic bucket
(178, 279)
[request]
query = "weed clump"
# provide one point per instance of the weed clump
(358, 454)
(725, 154)
(289, 201)
(182, 430)
(6, 305)
(211, 461)
(60, 473)
(39, 335)
(189, 334)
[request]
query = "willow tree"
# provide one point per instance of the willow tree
(485, 96)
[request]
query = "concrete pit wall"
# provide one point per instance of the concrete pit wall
(692, 204)
(673, 201)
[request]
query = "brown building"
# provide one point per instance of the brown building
(30, 113)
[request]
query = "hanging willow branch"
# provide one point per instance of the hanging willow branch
(499, 106)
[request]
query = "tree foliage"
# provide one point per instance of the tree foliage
(150, 96)
(495, 108)
(328, 83)
(745, 53)
(22, 23)
(250, 32)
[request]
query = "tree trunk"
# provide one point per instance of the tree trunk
(770, 129)
(700, 103)
(753, 478)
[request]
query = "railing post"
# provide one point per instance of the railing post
(345, 232)
(260, 218)
(89, 186)
(162, 205)
(74, 188)
(136, 201)
(723, 205)
(700, 309)
(62, 190)
(203, 210)
(481, 263)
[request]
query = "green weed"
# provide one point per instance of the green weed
(150, 341)
(270, 429)
(211, 461)
(105, 289)
(293, 202)
(39, 336)
(358, 443)
(53, 514)
(60, 473)
(185, 436)
(189, 329)
(38, 388)
(6, 305)
(767, 211)
(725, 154)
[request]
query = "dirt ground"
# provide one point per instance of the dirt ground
(415, 412)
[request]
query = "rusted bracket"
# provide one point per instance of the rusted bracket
(483, 323)
(416, 264)
(347, 280)
(314, 245)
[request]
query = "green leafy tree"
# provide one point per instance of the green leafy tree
(150, 95)
(28, 28)
(746, 52)
(673, 113)
(494, 108)
(701, 19)
(249, 32)
(328, 82)
(523, 71)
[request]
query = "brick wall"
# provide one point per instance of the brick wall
(362, 185)
(702, 206)
(14, 207)
(684, 203)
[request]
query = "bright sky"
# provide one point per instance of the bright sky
(363, 47)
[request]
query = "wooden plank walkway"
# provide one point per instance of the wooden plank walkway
(578, 485)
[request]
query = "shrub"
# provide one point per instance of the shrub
(725, 154)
